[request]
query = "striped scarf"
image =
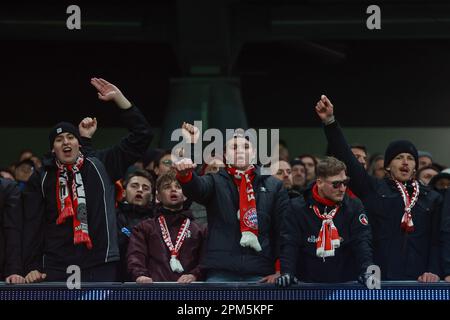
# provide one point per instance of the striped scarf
(247, 206)
(72, 199)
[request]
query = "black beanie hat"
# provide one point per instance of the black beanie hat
(297, 162)
(61, 128)
(397, 147)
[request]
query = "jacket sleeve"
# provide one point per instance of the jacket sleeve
(359, 178)
(436, 249)
(440, 238)
(291, 234)
(280, 207)
(198, 189)
(131, 148)
(13, 224)
(86, 146)
(445, 235)
(199, 271)
(33, 224)
(137, 253)
(362, 238)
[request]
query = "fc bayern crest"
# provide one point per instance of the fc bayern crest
(251, 219)
(363, 219)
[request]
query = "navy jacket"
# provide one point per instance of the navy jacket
(400, 255)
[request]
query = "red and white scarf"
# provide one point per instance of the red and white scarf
(175, 263)
(407, 224)
(72, 200)
(328, 238)
(247, 214)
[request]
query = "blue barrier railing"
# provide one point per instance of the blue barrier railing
(390, 290)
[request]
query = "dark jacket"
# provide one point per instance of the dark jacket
(148, 254)
(10, 229)
(219, 194)
(48, 245)
(128, 216)
(401, 256)
(445, 235)
(299, 235)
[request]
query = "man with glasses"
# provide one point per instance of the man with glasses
(405, 215)
(326, 235)
(163, 164)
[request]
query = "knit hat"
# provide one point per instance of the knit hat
(296, 162)
(425, 154)
(397, 147)
(61, 128)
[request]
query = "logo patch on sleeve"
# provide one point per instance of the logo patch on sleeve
(363, 219)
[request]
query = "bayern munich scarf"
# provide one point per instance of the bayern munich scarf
(247, 206)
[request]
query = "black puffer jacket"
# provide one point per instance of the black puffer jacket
(401, 256)
(219, 194)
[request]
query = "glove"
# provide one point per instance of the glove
(285, 280)
(367, 279)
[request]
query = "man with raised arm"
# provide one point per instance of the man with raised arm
(404, 214)
(69, 206)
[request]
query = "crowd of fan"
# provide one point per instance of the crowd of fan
(130, 213)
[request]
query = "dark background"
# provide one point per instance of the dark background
(285, 53)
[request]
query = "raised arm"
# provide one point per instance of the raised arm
(359, 178)
(132, 147)
(87, 127)
(199, 189)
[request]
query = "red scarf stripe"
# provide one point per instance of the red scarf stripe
(407, 223)
(68, 203)
(328, 239)
(248, 218)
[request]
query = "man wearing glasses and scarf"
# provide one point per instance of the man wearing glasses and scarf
(326, 235)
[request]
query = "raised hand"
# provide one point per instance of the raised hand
(87, 127)
(109, 92)
(184, 166)
(325, 109)
(190, 132)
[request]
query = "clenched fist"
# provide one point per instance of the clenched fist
(87, 127)
(325, 109)
(184, 166)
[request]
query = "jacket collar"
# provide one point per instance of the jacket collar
(183, 212)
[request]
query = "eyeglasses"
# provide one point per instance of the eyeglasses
(337, 184)
(167, 162)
